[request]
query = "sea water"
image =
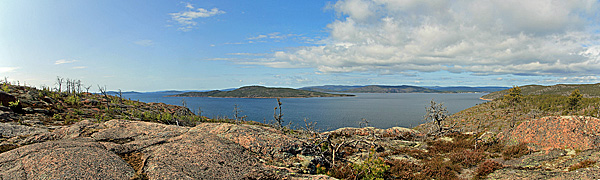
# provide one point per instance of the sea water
(381, 110)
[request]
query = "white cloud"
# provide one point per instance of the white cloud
(8, 69)
(64, 61)
(186, 19)
(144, 42)
(493, 37)
(79, 67)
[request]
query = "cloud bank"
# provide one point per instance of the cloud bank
(482, 37)
(186, 19)
(64, 61)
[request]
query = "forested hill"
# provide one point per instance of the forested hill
(260, 92)
(402, 89)
(391, 89)
(587, 90)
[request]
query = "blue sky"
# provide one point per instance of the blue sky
(199, 45)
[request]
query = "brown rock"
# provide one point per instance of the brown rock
(200, 155)
(547, 133)
(12, 130)
(5, 98)
(265, 141)
(65, 159)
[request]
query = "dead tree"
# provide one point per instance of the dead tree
(436, 113)
(59, 82)
(278, 117)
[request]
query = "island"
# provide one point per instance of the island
(260, 92)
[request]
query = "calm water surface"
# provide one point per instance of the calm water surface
(383, 110)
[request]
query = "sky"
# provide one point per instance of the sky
(140, 45)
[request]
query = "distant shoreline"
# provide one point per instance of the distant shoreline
(258, 97)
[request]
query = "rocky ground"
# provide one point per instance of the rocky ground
(50, 135)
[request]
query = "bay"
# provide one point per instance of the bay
(382, 110)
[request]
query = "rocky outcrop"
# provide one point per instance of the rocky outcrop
(118, 149)
(65, 159)
(547, 133)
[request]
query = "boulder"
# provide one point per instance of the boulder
(64, 159)
(11, 130)
(6, 98)
(201, 155)
(265, 141)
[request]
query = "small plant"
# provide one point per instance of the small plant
(57, 117)
(13, 104)
(373, 168)
(486, 168)
(5, 88)
(583, 164)
(73, 100)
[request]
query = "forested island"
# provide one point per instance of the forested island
(260, 92)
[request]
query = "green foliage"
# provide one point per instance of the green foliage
(575, 99)
(13, 104)
(373, 168)
(73, 100)
(514, 95)
(5, 88)
(57, 117)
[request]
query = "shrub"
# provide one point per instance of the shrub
(373, 168)
(403, 169)
(486, 168)
(437, 168)
(73, 100)
(5, 88)
(342, 172)
(583, 164)
(467, 158)
(515, 151)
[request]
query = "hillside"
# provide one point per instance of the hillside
(401, 89)
(459, 89)
(260, 92)
(329, 88)
(391, 89)
(587, 90)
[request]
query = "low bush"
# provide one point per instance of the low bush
(485, 168)
(403, 169)
(583, 164)
(515, 151)
(437, 168)
(467, 158)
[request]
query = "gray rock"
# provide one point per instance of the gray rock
(65, 159)
(136, 130)
(199, 155)
(12, 130)
(265, 141)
